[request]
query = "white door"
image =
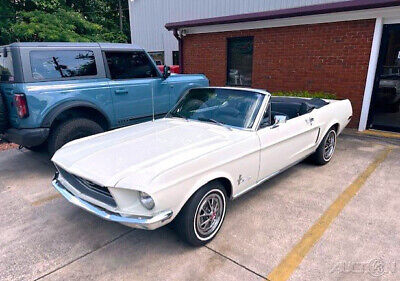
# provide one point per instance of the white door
(286, 144)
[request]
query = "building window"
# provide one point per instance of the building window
(175, 57)
(62, 64)
(158, 57)
(240, 61)
(129, 65)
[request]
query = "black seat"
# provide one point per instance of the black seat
(290, 109)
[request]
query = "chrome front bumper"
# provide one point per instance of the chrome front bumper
(132, 221)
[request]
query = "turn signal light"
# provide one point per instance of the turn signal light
(21, 105)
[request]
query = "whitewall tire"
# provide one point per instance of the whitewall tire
(202, 216)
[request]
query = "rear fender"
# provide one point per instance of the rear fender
(52, 115)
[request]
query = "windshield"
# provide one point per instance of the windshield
(6, 66)
(237, 108)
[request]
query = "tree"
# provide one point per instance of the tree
(62, 20)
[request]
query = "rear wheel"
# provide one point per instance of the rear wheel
(37, 148)
(325, 150)
(3, 116)
(71, 130)
(202, 216)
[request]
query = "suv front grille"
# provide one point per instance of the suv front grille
(95, 191)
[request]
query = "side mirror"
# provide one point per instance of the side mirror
(279, 119)
(167, 71)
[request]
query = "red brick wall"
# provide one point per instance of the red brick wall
(329, 57)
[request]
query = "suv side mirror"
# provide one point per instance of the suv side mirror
(167, 71)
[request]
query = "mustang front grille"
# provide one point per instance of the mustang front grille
(93, 186)
(88, 188)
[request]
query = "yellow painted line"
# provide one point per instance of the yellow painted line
(384, 134)
(46, 199)
(293, 259)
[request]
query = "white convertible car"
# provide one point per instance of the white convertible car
(214, 145)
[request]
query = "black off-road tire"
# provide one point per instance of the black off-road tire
(38, 148)
(185, 222)
(70, 130)
(3, 116)
(319, 156)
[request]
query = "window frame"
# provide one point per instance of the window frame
(268, 110)
(107, 68)
(228, 57)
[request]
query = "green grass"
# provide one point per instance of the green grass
(306, 94)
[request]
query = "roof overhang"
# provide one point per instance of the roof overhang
(357, 8)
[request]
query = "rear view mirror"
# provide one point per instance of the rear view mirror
(167, 71)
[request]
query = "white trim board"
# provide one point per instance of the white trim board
(387, 13)
(369, 84)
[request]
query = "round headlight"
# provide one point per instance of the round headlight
(146, 200)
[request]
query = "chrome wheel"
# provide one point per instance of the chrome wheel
(210, 213)
(329, 146)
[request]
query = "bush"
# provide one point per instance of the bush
(306, 94)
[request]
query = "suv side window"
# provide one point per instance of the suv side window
(129, 65)
(6, 66)
(62, 64)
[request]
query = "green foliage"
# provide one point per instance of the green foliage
(62, 20)
(306, 94)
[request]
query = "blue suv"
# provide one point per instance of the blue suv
(52, 93)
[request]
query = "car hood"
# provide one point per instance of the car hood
(142, 151)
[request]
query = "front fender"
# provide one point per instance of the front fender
(210, 177)
(176, 196)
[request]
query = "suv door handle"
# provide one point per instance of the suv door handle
(121, 92)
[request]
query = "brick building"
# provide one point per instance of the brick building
(351, 49)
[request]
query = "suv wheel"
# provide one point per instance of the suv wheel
(202, 216)
(71, 130)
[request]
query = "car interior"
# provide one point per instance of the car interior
(290, 108)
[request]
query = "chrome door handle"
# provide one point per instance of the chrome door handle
(310, 120)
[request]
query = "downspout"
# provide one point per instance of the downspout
(180, 48)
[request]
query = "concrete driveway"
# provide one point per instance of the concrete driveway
(336, 222)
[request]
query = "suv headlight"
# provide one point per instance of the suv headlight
(146, 200)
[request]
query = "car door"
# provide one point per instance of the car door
(284, 144)
(136, 86)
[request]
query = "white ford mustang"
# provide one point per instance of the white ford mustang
(214, 145)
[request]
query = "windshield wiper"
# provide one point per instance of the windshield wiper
(215, 122)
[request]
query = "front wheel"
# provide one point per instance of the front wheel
(325, 150)
(202, 216)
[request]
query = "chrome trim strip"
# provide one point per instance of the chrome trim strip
(132, 221)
